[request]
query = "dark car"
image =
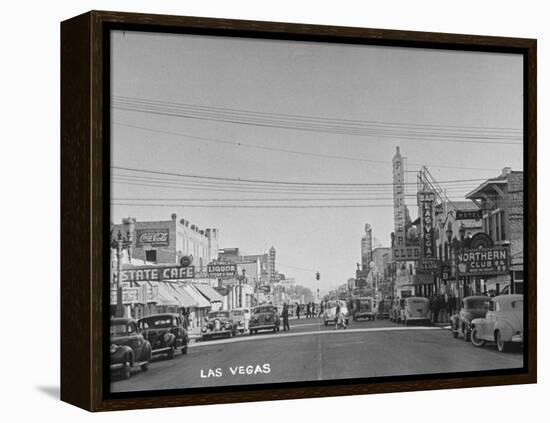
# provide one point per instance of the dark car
(264, 317)
(128, 347)
(218, 324)
(472, 308)
(165, 332)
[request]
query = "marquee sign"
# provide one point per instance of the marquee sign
(221, 269)
(426, 202)
(483, 261)
(156, 273)
(153, 237)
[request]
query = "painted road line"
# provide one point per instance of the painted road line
(251, 338)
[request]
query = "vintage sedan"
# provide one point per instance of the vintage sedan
(415, 309)
(473, 307)
(364, 308)
(329, 316)
(265, 317)
(165, 332)
(218, 324)
(240, 317)
(502, 324)
(128, 347)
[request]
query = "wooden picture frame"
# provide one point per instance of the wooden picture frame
(85, 212)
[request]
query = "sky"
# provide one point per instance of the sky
(453, 94)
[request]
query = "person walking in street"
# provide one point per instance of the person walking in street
(297, 311)
(313, 310)
(308, 310)
(435, 309)
(286, 325)
(321, 309)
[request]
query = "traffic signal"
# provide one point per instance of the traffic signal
(317, 276)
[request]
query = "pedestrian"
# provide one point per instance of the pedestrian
(337, 315)
(436, 309)
(246, 318)
(286, 325)
(321, 309)
(308, 310)
(297, 311)
(313, 310)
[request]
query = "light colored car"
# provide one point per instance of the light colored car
(240, 317)
(415, 309)
(329, 316)
(502, 324)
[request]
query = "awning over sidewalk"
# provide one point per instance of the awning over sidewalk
(183, 297)
(197, 296)
(166, 296)
(210, 293)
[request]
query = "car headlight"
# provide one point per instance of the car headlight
(227, 325)
(113, 348)
(204, 329)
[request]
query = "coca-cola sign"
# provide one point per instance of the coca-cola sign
(154, 237)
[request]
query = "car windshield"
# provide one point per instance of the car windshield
(477, 304)
(119, 329)
(216, 314)
(156, 322)
(237, 312)
(263, 310)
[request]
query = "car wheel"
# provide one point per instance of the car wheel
(126, 370)
(467, 335)
(184, 350)
(502, 346)
(145, 367)
(476, 342)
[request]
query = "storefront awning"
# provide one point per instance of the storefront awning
(210, 293)
(197, 296)
(182, 295)
(166, 296)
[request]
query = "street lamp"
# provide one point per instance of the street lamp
(120, 243)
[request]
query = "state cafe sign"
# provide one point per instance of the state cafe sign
(142, 274)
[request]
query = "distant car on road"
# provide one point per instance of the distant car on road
(264, 317)
(218, 324)
(165, 332)
(364, 308)
(502, 324)
(415, 309)
(473, 307)
(238, 316)
(128, 347)
(329, 316)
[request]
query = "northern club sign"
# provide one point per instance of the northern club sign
(156, 273)
(483, 261)
(221, 269)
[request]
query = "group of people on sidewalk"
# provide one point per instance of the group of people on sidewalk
(442, 307)
(310, 310)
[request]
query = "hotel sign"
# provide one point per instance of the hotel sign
(469, 214)
(483, 261)
(156, 273)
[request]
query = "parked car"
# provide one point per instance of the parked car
(264, 317)
(502, 324)
(329, 315)
(165, 332)
(395, 310)
(472, 307)
(415, 309)
(128, 347)
(364, 308)
(218, 324)
(238, 316)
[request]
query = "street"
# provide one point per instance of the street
(311, 351)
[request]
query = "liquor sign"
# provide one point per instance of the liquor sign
(221, 269)
(157, 273)
(483, 261)
(426, 202)
(153, 237)
(469, 214)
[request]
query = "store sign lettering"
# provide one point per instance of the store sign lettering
(155, 237)
(157, 274)
(483, 261)
(221, 269)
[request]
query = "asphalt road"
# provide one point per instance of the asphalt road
(311, 351)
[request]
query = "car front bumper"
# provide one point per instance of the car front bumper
(517, 338)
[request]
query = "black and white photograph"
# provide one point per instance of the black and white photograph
(287, 211)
